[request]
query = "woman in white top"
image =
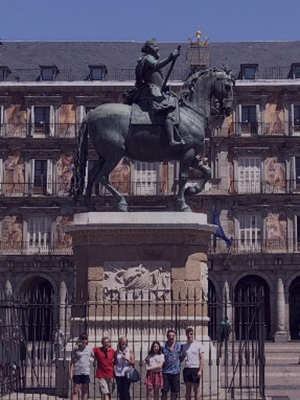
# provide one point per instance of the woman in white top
(154, 377)
(124, 359)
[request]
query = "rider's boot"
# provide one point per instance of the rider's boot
(170, 134)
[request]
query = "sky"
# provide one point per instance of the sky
(138, 20)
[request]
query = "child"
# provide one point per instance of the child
(154, 377)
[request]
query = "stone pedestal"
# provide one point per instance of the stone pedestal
(140, 274)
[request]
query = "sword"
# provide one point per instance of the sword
(169, 72)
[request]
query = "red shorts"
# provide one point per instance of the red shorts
(154, 380)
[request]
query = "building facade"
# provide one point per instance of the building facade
(45, 90)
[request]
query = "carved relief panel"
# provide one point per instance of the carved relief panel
(133, 279)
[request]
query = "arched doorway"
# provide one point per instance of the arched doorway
(212, 311)
(37, 313)
(251, 291)
(294, 303)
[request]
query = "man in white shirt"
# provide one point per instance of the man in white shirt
(193, 354)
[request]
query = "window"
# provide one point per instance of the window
(297, 115)
(249, 120)
(298, 232)
(250, 232)
(248, 72)
(4, 72)
(39, 233)
(1, 176)
(97, 72)
(41, 120)
(48, 73)
(249, 175)
(1, 120)
(88, 109)
(295, 71)
(297, 164)
(41, 177)
(146, 179)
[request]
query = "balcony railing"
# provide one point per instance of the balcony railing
(259, 128)
(123, 75)
(257, 246)
(250, 129)
(62, 188)
(57, 130)
(10, 247)
(264, 187)
(68, 130)
(69, 75)
(137, 188)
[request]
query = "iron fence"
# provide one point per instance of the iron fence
(31, 364)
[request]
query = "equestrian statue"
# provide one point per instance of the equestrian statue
(154, 124)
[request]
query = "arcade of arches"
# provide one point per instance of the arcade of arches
(248, 290)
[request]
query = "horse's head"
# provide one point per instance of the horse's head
(222, 90)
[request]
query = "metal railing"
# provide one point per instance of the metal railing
(276, 186)
(12, 247)
(70, 75)
(46, 130)
(68, 130)
(255, 246)
(258, 128)
(32, 364)
(62, 188)
(124, 75)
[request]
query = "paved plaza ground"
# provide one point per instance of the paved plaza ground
(283, 370)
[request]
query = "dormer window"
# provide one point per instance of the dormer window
(248, 71)
(97, 72)
(295, 71)
(4, 72)
(48, 73)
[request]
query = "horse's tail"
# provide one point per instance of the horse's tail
(78, 179)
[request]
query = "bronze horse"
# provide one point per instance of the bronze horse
(113, 137)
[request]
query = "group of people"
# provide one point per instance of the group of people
(163, 365)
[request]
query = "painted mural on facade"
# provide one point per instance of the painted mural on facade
(276, 231)
(120, 176)
(62, 240)
(66, 126)
(14, 174)
(12, 233)
(64, 174)
(16, 118)
(275, 175)
(274, 116)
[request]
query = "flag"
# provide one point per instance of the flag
(220, 231)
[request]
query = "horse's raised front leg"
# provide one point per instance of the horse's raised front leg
(206, 175)
(185, 164)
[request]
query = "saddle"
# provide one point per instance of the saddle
(146, 115)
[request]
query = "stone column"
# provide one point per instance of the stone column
(63, 311)
(280, 334)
